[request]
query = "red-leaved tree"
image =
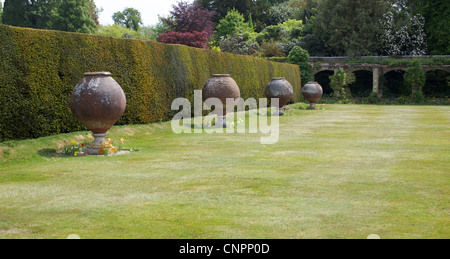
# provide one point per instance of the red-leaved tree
(191, 25)
(194, 39)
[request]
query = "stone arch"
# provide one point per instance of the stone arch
(428, 68)
(393, 86)
(389, 69)
(354, 69)
(322, 77)
(437, 84)
(363, 85)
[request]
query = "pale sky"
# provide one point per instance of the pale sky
(149, 9)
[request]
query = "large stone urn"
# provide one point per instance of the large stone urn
(281, 89)
(312, 92)
(98, 102)
(222, 87)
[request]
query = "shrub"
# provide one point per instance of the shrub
(414, 77)
(239, 44)
(270, 49)
(194, 39)
(373, 98)
(39, 70)
(339, 84)
(300, 57)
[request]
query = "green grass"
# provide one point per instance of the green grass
(344, 172)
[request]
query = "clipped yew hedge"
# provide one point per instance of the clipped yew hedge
(40, 68)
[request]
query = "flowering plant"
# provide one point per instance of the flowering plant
(73, 149)
(77, 149)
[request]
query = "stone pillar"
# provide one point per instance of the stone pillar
(376, 82)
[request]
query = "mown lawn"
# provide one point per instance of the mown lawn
(344, 172)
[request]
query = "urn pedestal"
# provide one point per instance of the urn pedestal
(222, 87)
(98, 102)
(312, 92)
(281, 89)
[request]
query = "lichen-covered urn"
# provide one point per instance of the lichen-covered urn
(281, 89)
(312, 92)
(222, 87)
(98, 102)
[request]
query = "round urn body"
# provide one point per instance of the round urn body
(281, 89)
(222, 87)
(98, 102)
(312, 92)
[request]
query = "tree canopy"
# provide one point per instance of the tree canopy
(129, 18)
(67, 15)
(349, 27)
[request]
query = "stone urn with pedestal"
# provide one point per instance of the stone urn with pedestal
(279, 88)
(312, 92)
(98, 102)
(222, 87)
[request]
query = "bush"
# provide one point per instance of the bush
(39, 70)
(194, 39)
(414, 78)
(373, 98)
(239, 44)
(270, 49)
(339, 84)
(418, 97)
(300, 57)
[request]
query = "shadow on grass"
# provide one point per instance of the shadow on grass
(48, 152)
(51, 153)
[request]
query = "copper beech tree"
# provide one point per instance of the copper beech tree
(190, 24)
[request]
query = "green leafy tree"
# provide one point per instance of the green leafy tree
(1, 11)
(280, 13)
(66, 15)
(234, 35)
(437, 23)
(129, 18)
(257, 9)
(300, 57)
(28, 13)
(403, 32)
(350, 27)
(74, 16)
(233, 23)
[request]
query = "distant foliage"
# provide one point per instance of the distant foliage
(403, 37)
(437, 23)
(350, 27)
(414, 81)
(189, 24)
(280, 13)
(129, 18)
(194, 39)
(67, 15)
(144, 33)
(233, 24)
(239, 44)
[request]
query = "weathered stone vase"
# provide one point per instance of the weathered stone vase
(281, 89)
(312, 92)
(222, 87)
(98, 102)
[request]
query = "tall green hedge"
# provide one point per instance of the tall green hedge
(40, 68)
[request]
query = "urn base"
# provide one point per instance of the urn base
(99, 147)
(221, 122)
(279, 112)
(312, 106)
